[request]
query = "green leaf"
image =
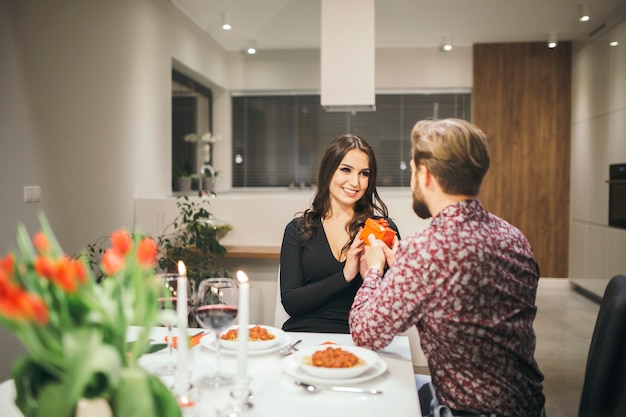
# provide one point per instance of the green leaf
(30, 379)
(54, 402)
(143, 394)
(93, 368)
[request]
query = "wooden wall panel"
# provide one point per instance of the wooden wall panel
(522, 101)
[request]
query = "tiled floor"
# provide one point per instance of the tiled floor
(564, 326)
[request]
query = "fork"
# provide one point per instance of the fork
(288, 350)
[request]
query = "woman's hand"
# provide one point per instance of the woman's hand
(353, 260)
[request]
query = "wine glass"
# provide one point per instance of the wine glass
(216, 309)
(168, 296)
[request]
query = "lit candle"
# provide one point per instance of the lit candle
(242, 334)
(181, 309)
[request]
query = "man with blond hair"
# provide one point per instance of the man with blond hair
(467, 282)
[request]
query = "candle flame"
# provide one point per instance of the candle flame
(181, 268)
(242, 277)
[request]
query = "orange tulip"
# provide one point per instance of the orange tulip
(121, 241)
(39, 311)
(147, 252)
(80, 272)
(7, 263)
(45, 267)
(41, 242)
(64, 274)
(112, 261)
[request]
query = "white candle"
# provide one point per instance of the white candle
(181, 309)
(242, 334)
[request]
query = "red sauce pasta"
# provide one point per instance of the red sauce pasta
(334, 358)
(255, 334)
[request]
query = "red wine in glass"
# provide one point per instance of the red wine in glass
(216, 309)
(216, 317)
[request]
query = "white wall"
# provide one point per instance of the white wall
(598, 139)
(86, 113)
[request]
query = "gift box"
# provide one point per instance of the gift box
(380, 229)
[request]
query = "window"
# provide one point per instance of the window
(278, 140)
(191, 113)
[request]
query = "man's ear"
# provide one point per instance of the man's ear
(429, 179)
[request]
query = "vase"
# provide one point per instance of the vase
(183, 183)
(95, 407)
(208, 183)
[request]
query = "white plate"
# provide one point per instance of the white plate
(292, 366)
(366, 359)
(208, 342)
(255, 345)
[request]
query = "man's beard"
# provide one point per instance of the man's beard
(419, 205)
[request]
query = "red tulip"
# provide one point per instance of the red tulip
(80, 272)
(7, 263)
(121, 241)
(45, 267)
(112, 261)
(41, 242)
(64, 274)
(147, 252)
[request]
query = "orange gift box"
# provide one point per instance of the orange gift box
(380, 229)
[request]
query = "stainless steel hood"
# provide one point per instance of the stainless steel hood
(348, 55)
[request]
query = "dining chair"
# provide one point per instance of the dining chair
(604, 386)
(280, 315)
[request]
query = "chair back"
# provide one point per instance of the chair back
(280, 315)
(604, 387)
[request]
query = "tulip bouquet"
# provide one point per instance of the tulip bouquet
(74, 329)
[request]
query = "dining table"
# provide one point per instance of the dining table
(272, 380)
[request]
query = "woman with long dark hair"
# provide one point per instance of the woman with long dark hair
(320, 269)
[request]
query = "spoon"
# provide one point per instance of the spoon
(288, 350)
(313, 388)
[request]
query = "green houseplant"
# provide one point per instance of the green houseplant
(193, 237)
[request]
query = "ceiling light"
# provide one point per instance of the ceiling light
(226, 22)
(583, 13)
(614, 43)
(552, 41)
(446, 46)
(251, 48)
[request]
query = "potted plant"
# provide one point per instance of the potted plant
(193, 237)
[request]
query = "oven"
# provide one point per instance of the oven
(617, 195)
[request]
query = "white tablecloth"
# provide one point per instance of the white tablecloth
(274, 393)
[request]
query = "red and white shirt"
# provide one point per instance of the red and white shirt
(468, 283)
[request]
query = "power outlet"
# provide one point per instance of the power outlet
(32, 193)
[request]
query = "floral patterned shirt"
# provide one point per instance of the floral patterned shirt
(468, 283)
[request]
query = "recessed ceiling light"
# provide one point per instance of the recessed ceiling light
(552, 40)
(614, 43)
(226, 22)
(251, 48)
(583, 14)
(446, 46)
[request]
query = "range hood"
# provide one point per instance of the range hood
(347, 55)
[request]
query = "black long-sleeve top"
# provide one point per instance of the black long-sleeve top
(314, 291)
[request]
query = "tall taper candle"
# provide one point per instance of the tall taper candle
(181, 309)
(242, 334)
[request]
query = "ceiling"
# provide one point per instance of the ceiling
(295, 24)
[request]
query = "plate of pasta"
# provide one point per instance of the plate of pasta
(261, 339)
(334, 363)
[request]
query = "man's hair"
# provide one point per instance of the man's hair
(454, 151)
